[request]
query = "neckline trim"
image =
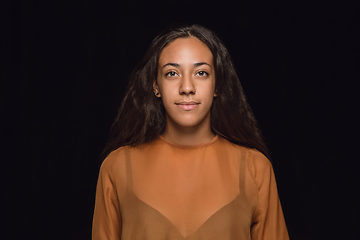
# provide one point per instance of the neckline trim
(189, 146)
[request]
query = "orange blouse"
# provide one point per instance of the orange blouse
(161, 190)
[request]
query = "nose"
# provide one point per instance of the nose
(187, 86)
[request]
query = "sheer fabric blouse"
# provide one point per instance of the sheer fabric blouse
(162, 190)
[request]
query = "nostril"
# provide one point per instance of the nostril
(187, 89)
(187, 92)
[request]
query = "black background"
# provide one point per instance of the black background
(65, 66)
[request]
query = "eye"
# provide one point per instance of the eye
(171, 74)
(202, 73)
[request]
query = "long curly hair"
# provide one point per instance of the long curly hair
(141, 115)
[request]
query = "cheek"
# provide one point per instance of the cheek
(167, 94)
(208, 96)
(207, 91)
(168, 99)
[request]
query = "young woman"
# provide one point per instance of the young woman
(185, 159)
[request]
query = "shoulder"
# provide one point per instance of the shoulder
(113, 172)
(257, 159)
(254, 157)
(259, 167)
(114, 160)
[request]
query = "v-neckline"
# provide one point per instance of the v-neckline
(172, 224)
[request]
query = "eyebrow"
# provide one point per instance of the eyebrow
(195, 64)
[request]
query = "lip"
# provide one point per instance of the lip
(187, 105)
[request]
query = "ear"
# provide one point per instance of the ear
(215, 93)
(156, 89)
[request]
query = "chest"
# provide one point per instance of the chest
(186, 199)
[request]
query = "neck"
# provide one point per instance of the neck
(194, 135)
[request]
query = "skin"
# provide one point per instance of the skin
(186, 85)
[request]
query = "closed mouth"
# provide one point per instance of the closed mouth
(187, 105)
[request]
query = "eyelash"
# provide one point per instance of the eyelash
(204, 73)
(168, 74)
(200, 73)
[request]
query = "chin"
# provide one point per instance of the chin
(188, 122)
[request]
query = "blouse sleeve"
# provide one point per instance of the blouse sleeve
(268, 220)
(106, 220)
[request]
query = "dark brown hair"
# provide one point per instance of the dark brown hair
(141, 116)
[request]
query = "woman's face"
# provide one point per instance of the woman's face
(186, 82)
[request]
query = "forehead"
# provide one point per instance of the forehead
(184, 50)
